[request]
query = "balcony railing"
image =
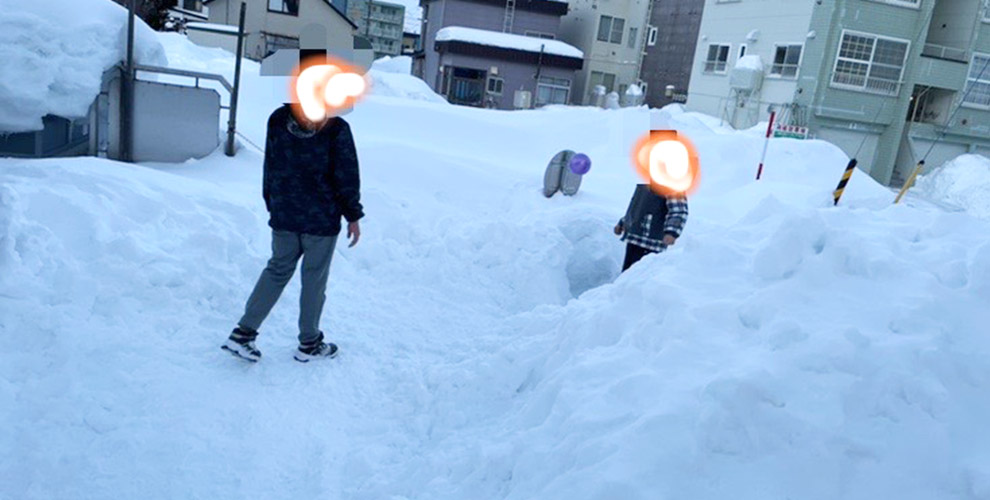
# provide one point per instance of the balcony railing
(943, 52)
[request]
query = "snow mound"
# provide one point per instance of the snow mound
(398, 64)
(963, 182)
(753, 62)
(54, 54)
(783, 348)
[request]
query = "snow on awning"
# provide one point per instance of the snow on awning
(224, 28)
(507, 41)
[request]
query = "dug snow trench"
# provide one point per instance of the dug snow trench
(784, 348)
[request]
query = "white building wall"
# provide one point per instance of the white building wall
(258, 21)
(746, 22)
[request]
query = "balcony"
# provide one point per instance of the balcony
(947, 70)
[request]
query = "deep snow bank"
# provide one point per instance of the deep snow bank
(784, 348)
(54, 53)
(963, 182)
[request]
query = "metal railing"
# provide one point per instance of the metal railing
(943, 52)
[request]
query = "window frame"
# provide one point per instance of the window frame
(725, 63)
(797, 66)
(553, 84)
(620, 31)
(864, 88)
(285, 4)
(495, 79)
(608, 88)
(985, 80)
(601, 25)
(633, 33)
(651, 37)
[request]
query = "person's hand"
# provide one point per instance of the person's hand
(353, 233)
(669, 239)
(618, 229)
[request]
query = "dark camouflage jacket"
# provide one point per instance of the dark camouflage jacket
(310, 182)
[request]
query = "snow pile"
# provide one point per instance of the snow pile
(963, 182)
(507, 41)
(751, 62)
(784, 348)
(399, 64)
(54, 54)
(391, 77)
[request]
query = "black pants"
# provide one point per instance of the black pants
(633, 254)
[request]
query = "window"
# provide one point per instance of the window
(552, 90)
(193, 5)
(786, 60)
(610, 29)
(986, 11)
(537, 34)
(651, 39)
(870, 63)
(978, 82)
(718, 57)
(742, 51)
(290, 7)
(606, 80)
(632, 37)
(495, 85)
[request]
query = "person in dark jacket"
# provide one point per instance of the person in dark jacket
(652, 223)
(311, 180)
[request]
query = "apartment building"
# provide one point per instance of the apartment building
(494, 53)
(611, 35)
(668, 53)
(381, 23)
(882, 79)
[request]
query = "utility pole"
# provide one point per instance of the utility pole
(127, 93)
(232, 115)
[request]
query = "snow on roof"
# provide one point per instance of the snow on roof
(54, 54)
(226, 28)
(752, 61)
(507, 41)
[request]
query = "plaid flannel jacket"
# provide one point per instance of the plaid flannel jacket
(677, 212)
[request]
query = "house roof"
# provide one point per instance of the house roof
(508, 47)
(510, 41)
(554, 7)
(332, 6)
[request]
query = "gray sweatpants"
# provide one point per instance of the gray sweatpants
(287, 248)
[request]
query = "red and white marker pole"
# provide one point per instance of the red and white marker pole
(759, 172)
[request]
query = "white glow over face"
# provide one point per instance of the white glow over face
(310, 88)
(670, 165)
(344, 86)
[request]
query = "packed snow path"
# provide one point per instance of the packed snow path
(784, 348)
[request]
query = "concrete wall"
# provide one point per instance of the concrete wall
(580, 28)
(670, 60)
(952, 23)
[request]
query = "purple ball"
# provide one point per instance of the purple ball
(580, 164)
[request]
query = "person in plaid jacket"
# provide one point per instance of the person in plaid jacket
(652, 223)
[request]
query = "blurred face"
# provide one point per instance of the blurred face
(322, 89)
(668, 161)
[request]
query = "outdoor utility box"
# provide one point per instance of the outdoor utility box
(746, 79)
(522, 99)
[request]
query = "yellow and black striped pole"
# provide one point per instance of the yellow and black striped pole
(845, 180)
(910, 181)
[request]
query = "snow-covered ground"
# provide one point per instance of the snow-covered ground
(784, 348)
